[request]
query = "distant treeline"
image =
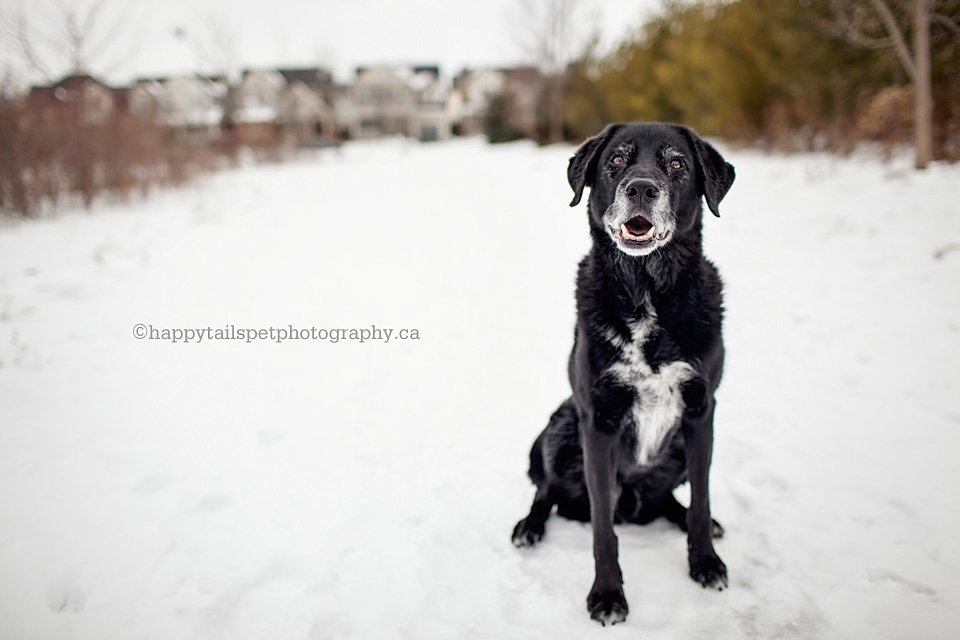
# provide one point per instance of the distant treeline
(778, 73)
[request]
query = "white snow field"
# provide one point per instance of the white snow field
(311, 489)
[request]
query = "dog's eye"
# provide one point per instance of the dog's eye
(617, 160)
(676, 164)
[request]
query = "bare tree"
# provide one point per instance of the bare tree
(551, 33)
(215, 44)
(78, 37)
(8, 51)
(886, 24)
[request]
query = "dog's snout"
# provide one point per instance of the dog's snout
(642, 190)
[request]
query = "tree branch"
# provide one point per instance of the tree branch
(899, 42)
(851, 24)
(25, 44)
(948, 23)
(110, 34)
(73, 40)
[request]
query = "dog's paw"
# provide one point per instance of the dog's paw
(607, 606)
(528, 532)
(709, 571)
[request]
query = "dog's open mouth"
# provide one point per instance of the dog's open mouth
(637, 229)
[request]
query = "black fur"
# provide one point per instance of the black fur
(586, 460)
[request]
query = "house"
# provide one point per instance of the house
(287, 107)
(283, 106)
(431, 119)
(307, 105)
(318, 80)
(524, 92)
(472, 92)
(190, 105)
(408, 101)
(382, 104)
(145, 97)
(520, 90)
(81, 98)
(255, 109)
(303, 115)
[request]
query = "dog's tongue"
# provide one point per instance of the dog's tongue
(638, 228)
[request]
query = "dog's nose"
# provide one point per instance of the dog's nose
(640, 190)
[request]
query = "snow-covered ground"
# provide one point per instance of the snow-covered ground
(319, 489)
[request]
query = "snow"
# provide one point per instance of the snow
(318, 489)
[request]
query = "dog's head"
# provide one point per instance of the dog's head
(646, 181)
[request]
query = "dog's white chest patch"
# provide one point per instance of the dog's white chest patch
(659, 402)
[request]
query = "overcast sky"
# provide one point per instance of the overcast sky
(178, 35)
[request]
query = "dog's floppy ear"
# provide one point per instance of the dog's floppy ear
(714, 174)
(582, 169)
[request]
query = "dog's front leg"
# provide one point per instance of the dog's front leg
(606, 601)
(706, 567)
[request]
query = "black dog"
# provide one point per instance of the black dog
(647, 354)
